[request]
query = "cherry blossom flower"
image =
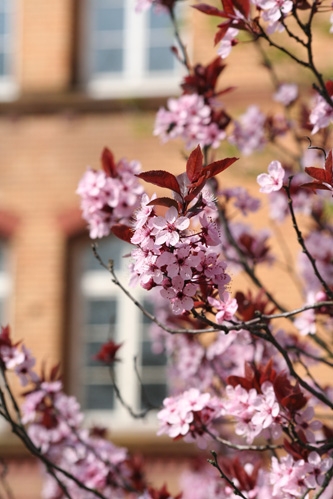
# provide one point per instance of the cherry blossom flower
(106, 200)
(272, 181)
(305, 423)
(273, 11)
(180, 262)
(242, 200)
(226, 307)
(166, 229)
(321, 114)
(188, 117)
(227, 42)
(248, 134)
(142, 5)
(286, 93)
(180, 294)
(187, 413)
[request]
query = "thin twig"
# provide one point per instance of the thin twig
(216, 465)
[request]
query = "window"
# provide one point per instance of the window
(127, 53)
(103, 312)
(8, 89)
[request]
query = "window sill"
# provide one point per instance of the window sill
(76, 102)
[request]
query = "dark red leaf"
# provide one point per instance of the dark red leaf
(208, 9)
(316, 185)
(228, 8)
(317, 173)
(194, 165)
(168, 202)
(195, 191)
(329, 87)
(108, 163)
(243, 6)
(55, 374)
(223, 28)
(218, 166)
(161, 178)
(239, 380)
(329, 167)
(107, 353)
(123, 232)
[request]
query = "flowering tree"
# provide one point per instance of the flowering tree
(250, 391)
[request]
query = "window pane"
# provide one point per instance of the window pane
(149, 358)
(109, 19)
(159, 20)
(99, 397)
(102, 312)
(108, 60)
(160, 59)
(153, 394)
(3, 23)
(107, 249)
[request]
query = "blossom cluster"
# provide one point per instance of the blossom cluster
(178, 260)
(191, 119)
(109, 196)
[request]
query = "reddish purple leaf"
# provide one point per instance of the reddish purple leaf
(329, 87)
(317, 173)
(228, 8)
(316, 185)
(194, 165)
(243, 6)
(108, 163)
(321, 176)
(161, 179)
(208, 9)
(223, 28)
(164, 201)
(218, 166)
(123, 232)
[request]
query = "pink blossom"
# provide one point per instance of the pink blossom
(226, 307)
(142, 5)
(267, 411)
(286, 93)
(180, 262)
(11, 356)
(180, 294)
(240, 404)
(288, 477)
(209, 231)
(190, 118)
(227, 42)
(306, 322)
(321, 115)
(273, 11)
(187, 413)
(272, 181)
(107, 200)
(248, 134)
(305, 423)
(24, 369)
(242, 199)
(166, 229)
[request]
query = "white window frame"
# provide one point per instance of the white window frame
(8, 85)
(96, 284)
(134, 81)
